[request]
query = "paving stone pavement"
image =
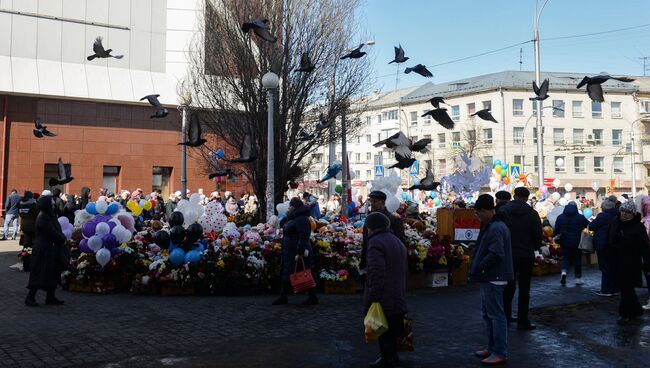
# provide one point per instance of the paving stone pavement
(575, 328)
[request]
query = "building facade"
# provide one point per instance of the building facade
(585, 143)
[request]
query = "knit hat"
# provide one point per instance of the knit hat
(484, 202)
(376, 194)
(503, 195)
(296, 202)
(629, 207)
(377, 221)
(608, 204)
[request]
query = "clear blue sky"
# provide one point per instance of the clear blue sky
(436, 31)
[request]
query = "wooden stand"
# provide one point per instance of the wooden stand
(459, 275)
(340, 287)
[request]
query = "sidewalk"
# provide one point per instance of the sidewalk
(575, 328)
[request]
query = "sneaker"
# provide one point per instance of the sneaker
(494, 360)
(483, 354)
(579, 281)
(563, 279)
(647, 306)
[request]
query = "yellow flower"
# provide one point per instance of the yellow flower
(221, 263)
(442, 261)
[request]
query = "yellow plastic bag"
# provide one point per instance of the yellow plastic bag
(375, 322)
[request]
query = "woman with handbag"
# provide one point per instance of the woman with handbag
(296, 249)
(47, 254)
(627, 248)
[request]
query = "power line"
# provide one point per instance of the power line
(596, 33)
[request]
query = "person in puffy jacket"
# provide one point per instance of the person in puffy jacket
(568, 227)
(600, 227)
(28, 211)
(629, 253)
(296, 248)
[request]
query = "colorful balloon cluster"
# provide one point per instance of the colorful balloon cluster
(191, 209)
(66, 226)
(137, 207)
(104, 233)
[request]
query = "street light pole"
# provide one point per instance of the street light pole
(523, 161)
(270, 82)
(540, 134)
(186, 101)
(345, 164)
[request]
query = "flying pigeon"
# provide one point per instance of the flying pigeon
(304, 136)
(594, 88)
(306, 66)
(261, 28)
(541, 92)
(403, 145)
(427, 183)
(64, 175)
(354, 54)
(420, 69)
(403, 162)
(161, 112)
(221, 172)
(399, 55)
(246, 152)
(436, 101)
(40, 130)
(441, 116)
(485, 115)
(322, 123)
(332, 171)
(99, 51)
(194, 132)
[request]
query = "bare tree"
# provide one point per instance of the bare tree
(471, 139)
(224, 78)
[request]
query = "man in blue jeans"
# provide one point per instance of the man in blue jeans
(11, 207)
(492, 269)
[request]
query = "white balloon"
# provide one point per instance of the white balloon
(392, 203)
(190, 217)
(567, 196)
(102, 229)
(95, 243)
(556, 183)
(200, 210)
(352, 175)
(563, 202)
(568, 187)
(195, 198)
(125, 236)
(559, 162)
(101, 206)
(103, 256)
(553, 215)
(182, 204)
(555, 196)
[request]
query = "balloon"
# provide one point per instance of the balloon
(504, 173)
(497, 163)
(110, 241)
(95, 242)
(177, 257)
(102, 229)
(67, 233)
(147, 206)
(83, 246)
(127, 221)
(194, 232)
(176, 219)
(497, 168)
(193, 257)
(182, 205)
(137, 210)
(195, 198)
(351, 208)
(88, 229)
(111, 226)
(282, 208)
(543, 189)
(112, 208)
(131, 205)
(555, 196)
(436, 201)
(338, 189)
(556, 183)
(101, 207)
(433, 194)
(405, 196)
(91, 209)
(220, 153)
(392, 203)
(567, 196)
(161, 238)
(563, 202)
(220, 221)
(190, 217)
(103, 256)
(587, 212)
(553, 215)
(538, 194)
(63, 220)
(559, 162)
(177, 234)
(568, 187)
(506, 180)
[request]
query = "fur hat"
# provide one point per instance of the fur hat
(608, 204)
(377, 221)
(629, 207)
(376, 194)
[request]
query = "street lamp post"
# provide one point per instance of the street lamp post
(540, 135)
(523, 162)
(270, 81)
(185, 101)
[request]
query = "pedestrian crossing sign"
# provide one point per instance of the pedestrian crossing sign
(415, 168)
(514, 170)
(379, 170)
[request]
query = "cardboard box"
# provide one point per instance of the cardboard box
(439, 278)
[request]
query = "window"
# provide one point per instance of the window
(517, 107)
(578, 136)
(314, 174)
(368, 174)
(357, 174)
(441, 140)
(558, 108)
(414, 138)
(368, 138)
(414, 118)
(535, 135)
(160, 178)
(519, 159)
(487, 105)
(558, 136)
(487, 136)
(618, 165)
(317, 157)
(579, 164)
(368, 156)
(598, 137)
(616, 110)
(378, 137)
(357, 157)
(442, 167)
(379, 158)
(389, 115)
(488, 160)
(455, 140)
(471, 108)
(471, 136)
(378, 119)
(427, 119)
(427, 136)
(536, 164)
(596, 110)
(110, 178)
(645, 106)
(599, 164)
(576, 109)
(518, 135)
(534, 107)
(368, 120)
(455, 113)
(617, 137)
(561, 160)
(52, 171)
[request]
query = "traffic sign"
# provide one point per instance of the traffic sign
(379, 170)
(514, 170)
(415, 168)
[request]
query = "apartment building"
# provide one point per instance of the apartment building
(584, 141)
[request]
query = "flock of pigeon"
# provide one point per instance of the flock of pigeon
(402, 146)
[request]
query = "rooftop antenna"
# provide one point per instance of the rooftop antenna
(645, 66)
(521, 52)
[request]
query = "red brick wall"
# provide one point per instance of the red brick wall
(92, 135)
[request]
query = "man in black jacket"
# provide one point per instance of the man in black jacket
(526, 233)
(377, 200)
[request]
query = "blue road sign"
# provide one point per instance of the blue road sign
(379, 170)
(514, 170)
(415, 168)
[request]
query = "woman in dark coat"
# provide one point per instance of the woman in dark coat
(626, 249)
(295, 246)
(28, 211)
(85, 197)
(569, 226)
(46, 261)
(70, 208)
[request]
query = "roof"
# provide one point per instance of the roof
(510, 80)
(379, 99)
